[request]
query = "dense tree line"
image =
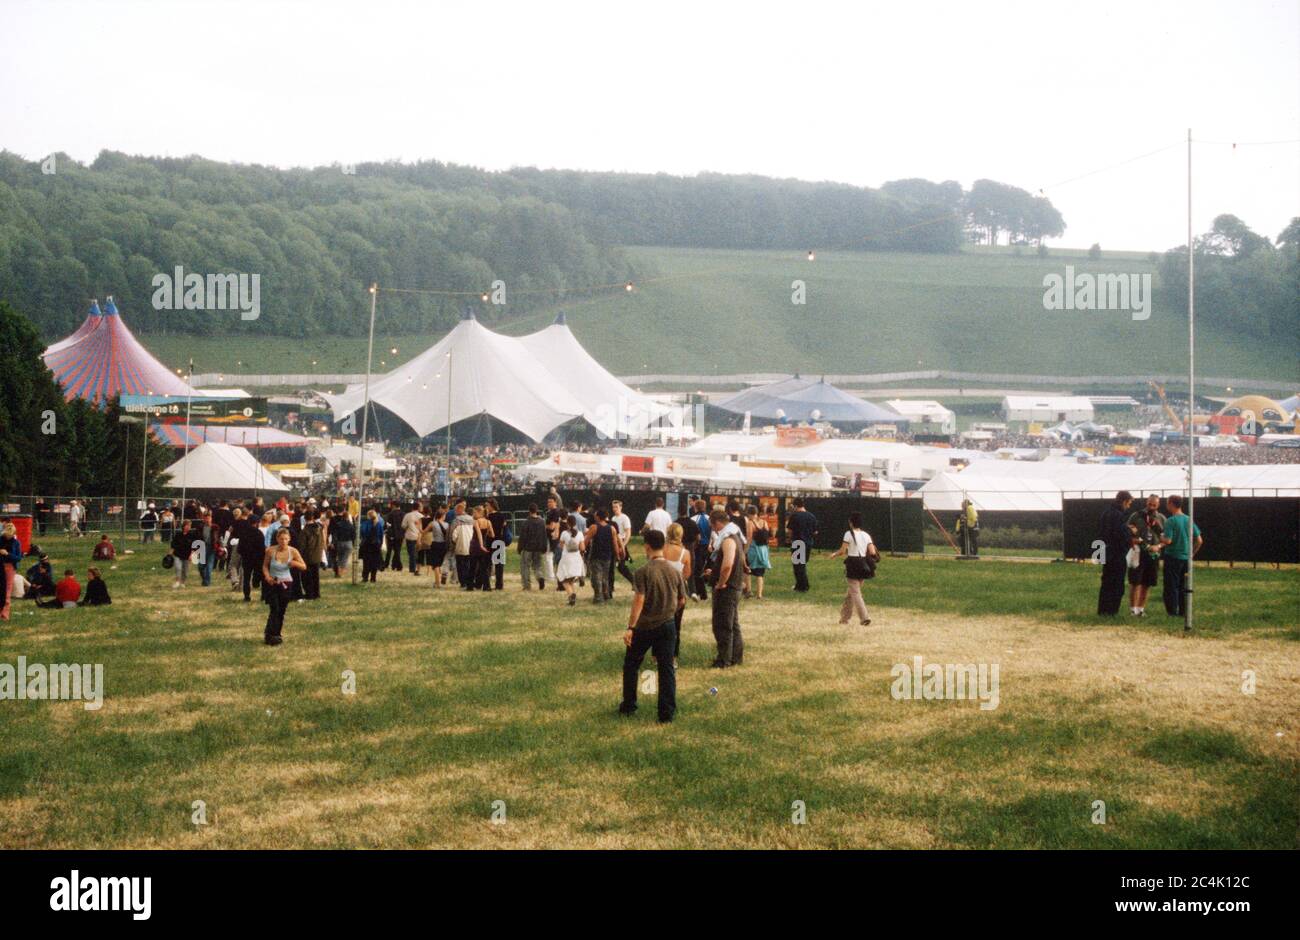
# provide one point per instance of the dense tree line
(317, 237)
(1244, 282)
(52, 447)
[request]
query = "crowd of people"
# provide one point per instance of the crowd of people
(37, 582)
(1134, 542)
(715, 554)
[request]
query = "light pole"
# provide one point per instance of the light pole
(365, 419)
(449, 426)
(189, 397)
(128, 420)
(1191, 395)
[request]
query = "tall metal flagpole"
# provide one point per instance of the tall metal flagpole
(1191, 395)
(185, 468)
(449, 361)
(365, 418)
(126, 469)
(144, 463)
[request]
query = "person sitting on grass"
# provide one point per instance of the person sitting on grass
(104, 550)
(68, 591)
(41, 578)
(652, 625)
(96, 589)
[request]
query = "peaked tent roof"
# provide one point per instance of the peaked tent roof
(102, 360)
(487, 374)
(608, 404)
(173, 435)
(798, 398)
(222, 467)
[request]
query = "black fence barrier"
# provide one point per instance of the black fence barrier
(896, 525)
(1235, 528)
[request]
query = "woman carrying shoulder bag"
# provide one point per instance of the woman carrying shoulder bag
(860, 557)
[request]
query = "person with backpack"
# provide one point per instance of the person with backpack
(148, 525)
(860, 557)
(312, 549)
(412, 525)
(462, 535)
(342, 534)
(372, 546)
(700, 556)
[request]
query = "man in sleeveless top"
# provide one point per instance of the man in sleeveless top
(726, 572)
(603, 549)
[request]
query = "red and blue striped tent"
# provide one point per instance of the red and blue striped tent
(174, 434)
(103, 360)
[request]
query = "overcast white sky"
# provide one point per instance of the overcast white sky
(1032, 94)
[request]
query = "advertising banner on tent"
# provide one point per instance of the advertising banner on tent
(170, 409)
(633, 464)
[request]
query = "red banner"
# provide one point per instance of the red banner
(638, 464)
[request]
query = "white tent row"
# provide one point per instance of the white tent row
(222, 467)
(1047, 408)
(840, 456)
(533, 383)
(656, 465)
(1040, 485)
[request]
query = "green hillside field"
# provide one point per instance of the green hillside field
(707, 311)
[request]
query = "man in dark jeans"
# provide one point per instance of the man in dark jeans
(802, 526)
(1182, 541)
(252, 546)
(700, 558)
(500, 522)
(726, 573)
(1117, 538)
(660, 593)
(393, 529)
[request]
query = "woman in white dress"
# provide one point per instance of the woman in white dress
(859, 557)
(571, 567)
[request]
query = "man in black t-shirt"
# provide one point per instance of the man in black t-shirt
(802, 526)
(556, 518)
(393, 530)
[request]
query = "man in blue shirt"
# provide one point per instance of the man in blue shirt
(1182, 541)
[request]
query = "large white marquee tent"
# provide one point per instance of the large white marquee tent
(533, 383)
(222, 467)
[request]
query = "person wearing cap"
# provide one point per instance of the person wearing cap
(41, 578)
(148, 525)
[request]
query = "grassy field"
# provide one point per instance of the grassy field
(978, 311)
(464, 700)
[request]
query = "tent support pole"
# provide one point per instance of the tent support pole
(365, 419)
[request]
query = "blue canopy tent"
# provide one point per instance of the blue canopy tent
(798, 399)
